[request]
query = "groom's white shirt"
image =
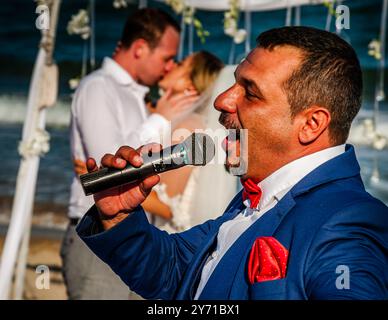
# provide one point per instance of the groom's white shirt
(108, 111)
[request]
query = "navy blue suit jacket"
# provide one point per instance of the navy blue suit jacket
(334, 231)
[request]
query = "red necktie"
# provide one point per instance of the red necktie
(252, 192)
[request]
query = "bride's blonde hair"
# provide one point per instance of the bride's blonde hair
(205, 68)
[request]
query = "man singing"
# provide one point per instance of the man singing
(303, 227)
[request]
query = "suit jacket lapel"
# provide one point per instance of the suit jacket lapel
(227, 280)
(229, 277)
(192, 275)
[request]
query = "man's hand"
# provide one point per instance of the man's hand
(173, 106)
(115, 204)
(79, 167)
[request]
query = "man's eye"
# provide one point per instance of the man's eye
(250, 95)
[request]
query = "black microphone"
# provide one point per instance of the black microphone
(197, 150)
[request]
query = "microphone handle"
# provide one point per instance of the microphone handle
(107, 178)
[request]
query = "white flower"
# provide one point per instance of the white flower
(380, 95)
(379, 142)
(375, 49)
(227, 15)
(231, 23)
(38, 145)
(188, 15)
(230, 27)
(239, 36)
(117, 4)
(177, 5)
(73, 83)
(79, 24)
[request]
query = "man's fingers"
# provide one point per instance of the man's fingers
(78, 162)
(123, 156)
(148, 183)
(91, 165)
(112, 161)
(109, 160)
(128, 154)
(147, 149)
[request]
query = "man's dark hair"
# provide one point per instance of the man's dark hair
(329, 75)
(148, 24)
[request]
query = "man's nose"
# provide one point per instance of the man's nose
(227, 100)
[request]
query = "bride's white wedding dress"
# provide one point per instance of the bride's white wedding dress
(210, 188)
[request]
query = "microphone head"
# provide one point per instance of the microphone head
(200, 149)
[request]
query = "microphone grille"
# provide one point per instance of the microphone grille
(200, 149)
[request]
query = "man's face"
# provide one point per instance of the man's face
(258, 102)
(157, 62)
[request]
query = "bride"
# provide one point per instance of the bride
(191, 195)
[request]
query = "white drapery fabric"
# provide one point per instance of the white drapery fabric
(252, 5)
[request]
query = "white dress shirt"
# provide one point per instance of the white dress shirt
(273, 188)
(108, 111)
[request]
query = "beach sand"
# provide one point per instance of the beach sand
(43, 252)
(49, 222)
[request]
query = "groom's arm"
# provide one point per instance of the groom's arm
(150, 261)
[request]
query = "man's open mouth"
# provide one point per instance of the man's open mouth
(233, 128)
(231, 140)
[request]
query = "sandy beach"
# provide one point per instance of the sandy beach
(48, 225)
(43, 252)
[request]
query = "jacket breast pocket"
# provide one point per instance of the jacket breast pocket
(269, 290)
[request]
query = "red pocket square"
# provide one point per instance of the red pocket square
(267, 260)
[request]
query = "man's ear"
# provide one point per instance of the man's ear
(140, 48)
(314, 121)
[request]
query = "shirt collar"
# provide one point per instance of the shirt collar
(121, 76)
(282, 180)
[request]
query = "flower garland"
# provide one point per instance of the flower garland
(118, 4)
(375, 52)
(329, 4)
(231, 22)
(38, 145)
(79, 24)
(177, 5)
(375, 49)
(188, 13)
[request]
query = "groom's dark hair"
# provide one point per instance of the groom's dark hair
(148, 24)
(329, 75)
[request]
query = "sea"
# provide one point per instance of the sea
(19, 40)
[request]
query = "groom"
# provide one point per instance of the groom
(302, 228)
